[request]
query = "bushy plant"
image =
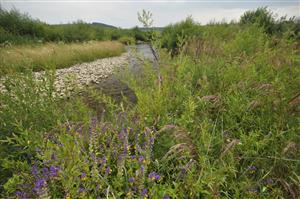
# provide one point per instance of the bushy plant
(266, 19)
(19, 28)
(173, 36)
(262, 17)
(21, 24)
(127, 40)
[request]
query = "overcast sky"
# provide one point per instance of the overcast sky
(124, 13)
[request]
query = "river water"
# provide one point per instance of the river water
(114, 87)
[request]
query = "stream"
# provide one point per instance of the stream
(114, 87)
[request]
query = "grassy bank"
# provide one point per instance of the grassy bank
(53, 55)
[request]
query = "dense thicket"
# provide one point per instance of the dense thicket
(18, 28)
(174, 35)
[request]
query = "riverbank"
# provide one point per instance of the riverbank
(54, 55)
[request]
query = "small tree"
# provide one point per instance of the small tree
(262, 17)
(145, 18)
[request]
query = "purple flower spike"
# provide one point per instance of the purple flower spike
(142, 169)
(20, 195)
(107, 171)
(157, 177)
(53, 171)
(131, 180)
(144, 192)
(152, 175)
(141, 159)
(39, 184)
(81, 189)
(83, 176)
(34, 170)
(152, 140)
(45, 172)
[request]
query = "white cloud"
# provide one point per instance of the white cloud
(124, 14)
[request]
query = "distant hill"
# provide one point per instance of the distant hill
(103, 25)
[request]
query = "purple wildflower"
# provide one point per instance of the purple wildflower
(83, 176)
(141, 159)
(21, 195)
(103, 160)
(144, 192)
(93, 156)
(142, 169)
(131, 180)
(53, 171)
(107, 171)
(157, 177)
(133, 157)
(122, 134)
(81, 189)
(93, 125)
(34, 170)
(145, 144)
(154, 176)
(39, 184)
(45, 172)
(152, 140)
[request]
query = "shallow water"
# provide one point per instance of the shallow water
(114, 87)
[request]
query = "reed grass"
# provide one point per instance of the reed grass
(54, 55)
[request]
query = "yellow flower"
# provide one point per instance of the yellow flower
(129, 194)
(68, 196)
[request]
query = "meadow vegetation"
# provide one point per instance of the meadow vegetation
(219, 118)
(37, 57)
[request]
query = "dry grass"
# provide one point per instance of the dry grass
(53, 55)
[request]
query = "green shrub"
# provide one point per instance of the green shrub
(262, 17)
(127, 40)
(174, 35)
(21, 24)
(18, 28)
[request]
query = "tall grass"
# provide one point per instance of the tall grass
(52, 55)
